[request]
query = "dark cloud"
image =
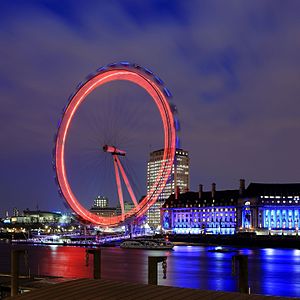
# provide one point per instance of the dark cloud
(233, 68)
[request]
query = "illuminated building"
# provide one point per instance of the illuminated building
(179, 180)
(16, 212)
(261, 208)
(270, 208)
(203, 212)
(101, 208)
(128, 206)
(104, 211)
(180, 172)
(100, 202)
(42, 217)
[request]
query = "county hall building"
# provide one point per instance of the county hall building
(261, 208)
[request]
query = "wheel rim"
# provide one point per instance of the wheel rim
(159, 95)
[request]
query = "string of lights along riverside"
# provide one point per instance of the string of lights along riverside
(160, 95)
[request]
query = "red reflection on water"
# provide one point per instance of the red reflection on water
(64, 261)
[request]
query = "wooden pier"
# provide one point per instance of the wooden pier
(115, 290)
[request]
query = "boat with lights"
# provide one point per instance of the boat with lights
(222, 249)
(151, 244)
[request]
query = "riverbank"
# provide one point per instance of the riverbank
(239, 240)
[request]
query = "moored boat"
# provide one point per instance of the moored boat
(222, 249)
(151, 244)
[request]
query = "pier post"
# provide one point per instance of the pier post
(15, 255)
(242, 261)
(97, 261)
(152, 268)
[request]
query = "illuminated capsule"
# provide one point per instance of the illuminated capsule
(158, 80)
(90, 76)
(59, 122)
(80, 84)
(101, 69)
(177, 142)
(125, 63)
(167, 92)
(112, 65)
(60, 193)
(177, 124)
(64, 109)
(66, 204)
(173, 108)
(147, 71)
(71, 96)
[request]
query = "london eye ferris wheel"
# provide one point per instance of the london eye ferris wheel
(70, 134)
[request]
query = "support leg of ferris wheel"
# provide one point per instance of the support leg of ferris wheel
(130, 191)
(119, 187)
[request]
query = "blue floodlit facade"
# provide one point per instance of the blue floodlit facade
(201, 213)
(271, 208)
(263, 208)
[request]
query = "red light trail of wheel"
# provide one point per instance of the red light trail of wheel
(154, 86)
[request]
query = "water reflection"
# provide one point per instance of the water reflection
(271, 271)
(277, 272)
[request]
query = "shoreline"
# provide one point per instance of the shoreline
(252, 241)
(238, 240)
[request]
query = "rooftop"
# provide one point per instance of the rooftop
(256, 189)
(225, 197)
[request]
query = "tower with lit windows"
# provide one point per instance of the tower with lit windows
(100, 202)
(178, 182)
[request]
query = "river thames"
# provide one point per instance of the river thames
(271, 271)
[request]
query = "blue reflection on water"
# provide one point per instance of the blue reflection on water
(275, 272)
(271, 271)
(195, 267)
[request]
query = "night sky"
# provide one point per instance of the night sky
(233, 68)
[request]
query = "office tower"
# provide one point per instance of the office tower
(177, 183)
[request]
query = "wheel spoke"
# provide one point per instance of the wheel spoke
(130, 191)
(119, 186)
